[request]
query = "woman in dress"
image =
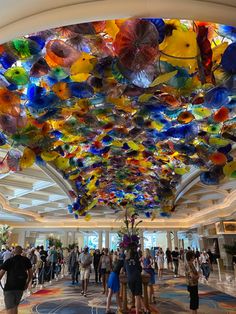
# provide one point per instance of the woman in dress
(105, 264)
(160, 263)
(146, 262)
(113, 285)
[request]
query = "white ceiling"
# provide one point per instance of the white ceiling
(34, 191)
(18, 18)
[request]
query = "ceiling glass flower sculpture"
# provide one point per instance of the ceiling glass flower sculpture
(122, 109)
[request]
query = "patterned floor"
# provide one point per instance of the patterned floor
(172, 297)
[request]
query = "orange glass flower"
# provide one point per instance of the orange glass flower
(61, 53)
(9, 102)
(185, 117)
(221, 115)
(218, 158)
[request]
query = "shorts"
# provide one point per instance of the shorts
(12, 298)
(104, 271)
(194, 298)
(135, 287)
(84, 273)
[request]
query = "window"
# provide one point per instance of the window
(91, 240)
(114, 241)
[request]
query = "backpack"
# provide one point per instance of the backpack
(16, 276)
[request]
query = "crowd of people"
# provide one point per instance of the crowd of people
(44, 265)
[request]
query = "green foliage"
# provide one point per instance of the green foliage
(4, 234)
(56, 242)
(230, 249)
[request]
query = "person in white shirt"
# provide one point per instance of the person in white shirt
(205, 265)
(6, 255)
(85, 261)
(160, 263)
(36, 252)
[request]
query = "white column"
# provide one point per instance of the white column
(80, 240)
(176, 242)
(73, 237)
(201, 244)
(227, 259)
(169, 243)
(141, 239)
(21, 238)
(65, 241)
(107, 239)
(100, 240)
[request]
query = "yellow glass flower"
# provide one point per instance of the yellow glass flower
(28, 158)
(180, 49)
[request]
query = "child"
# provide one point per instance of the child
(192, 281)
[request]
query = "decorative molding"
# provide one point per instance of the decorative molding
(34, 17)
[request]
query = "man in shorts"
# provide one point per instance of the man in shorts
(19, 275)
(85, 261)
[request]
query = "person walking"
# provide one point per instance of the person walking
(42, 264)
(160, 263)
(85, 261)
(52, 257)
(73, 265)
(175, 257)
(96, 259)
(211, 259)
(6, 255)
(146, 262)
(205, 264)
(33, 259)
(19, 275)
(192, 281)
(105, 264)
(169, 259)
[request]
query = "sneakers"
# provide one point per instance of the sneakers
(85, 295)
(82, 292)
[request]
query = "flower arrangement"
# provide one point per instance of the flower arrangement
(129, 233)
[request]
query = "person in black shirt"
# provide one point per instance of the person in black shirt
(175, 258)
(96, 259)
(19, 275)
(43, 267)
(74, 265)
(43, 254)
(133, 270)
(169, 259)
(211, 258)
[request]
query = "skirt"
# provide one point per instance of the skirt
(114, 282)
